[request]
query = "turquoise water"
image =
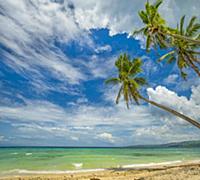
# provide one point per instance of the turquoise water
(52, 159)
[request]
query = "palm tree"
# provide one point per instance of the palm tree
(156, 31)
(183, 42)
(184, 52)
(130, 83)
(155, 25)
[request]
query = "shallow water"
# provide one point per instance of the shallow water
(15, 160)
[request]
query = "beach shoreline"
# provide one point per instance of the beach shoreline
(165, 170)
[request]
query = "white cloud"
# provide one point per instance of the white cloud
(82, 100)
(180, 103)
(164, 133)
(195, 95)
(34, 111)
(106, 137)
(74, 138)
(174, 10)
(103, 49)
(30, 32)
(171, 79)
(100, 67)
(192, 80)
(30, 28)
(123, 16)
(142, 123)
(118, 19)
(1, 138)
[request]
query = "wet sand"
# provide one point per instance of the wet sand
(179, 171)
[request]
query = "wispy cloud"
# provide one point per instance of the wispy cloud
(28, 36)
(110, 124)
(31, 36)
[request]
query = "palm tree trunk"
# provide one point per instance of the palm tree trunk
(183, 37)
(182, 116)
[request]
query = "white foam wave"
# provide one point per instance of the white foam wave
(24, 171)
(150, 164)
(78, 165)
(28, 154)
(15, 153)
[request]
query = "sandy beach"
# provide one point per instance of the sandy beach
(187, 170)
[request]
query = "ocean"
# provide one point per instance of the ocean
(62, 160)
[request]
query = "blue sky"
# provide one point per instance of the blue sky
(55, 56)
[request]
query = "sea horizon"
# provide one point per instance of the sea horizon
(161, 145)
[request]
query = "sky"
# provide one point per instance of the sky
(55, 56)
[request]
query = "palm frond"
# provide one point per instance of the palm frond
(171, 59)
(144, 17)
(135, 67)
(158, 3)
(147, 7)
(113, 81)
(167, 55)
(134, 94)
(190, 25)
(182, 25)
(194, 29)
(193, 52)
(183, 75)
(137, 32)
(141, 81)
(119, 94)
(162, 41)
(126, 95)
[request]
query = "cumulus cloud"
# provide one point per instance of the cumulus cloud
(123, 16)
(106, 137)
(109, 124)
(171, 99)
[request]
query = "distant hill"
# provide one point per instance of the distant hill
(184, 144)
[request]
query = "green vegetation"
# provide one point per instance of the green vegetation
(130, 83)
(184, 144)
(182, 46)
(183, 43)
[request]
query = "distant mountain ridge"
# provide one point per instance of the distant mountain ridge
(183, 144)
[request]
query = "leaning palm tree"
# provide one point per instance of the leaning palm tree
(130, 83)
(156, 31)
(184, 52)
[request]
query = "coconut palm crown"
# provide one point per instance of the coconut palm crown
(156, 31)
(155, 26)
(128, 78)
(185, 53)
(184, 43)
